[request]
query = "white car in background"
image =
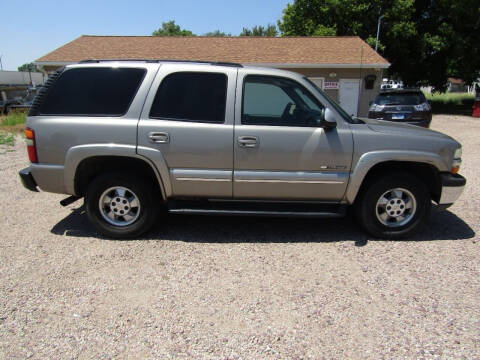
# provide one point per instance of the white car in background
(391, 84)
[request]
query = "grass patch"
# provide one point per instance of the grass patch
(7, 138)
(13, 118)
(451, 103)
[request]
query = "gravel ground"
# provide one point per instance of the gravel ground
(238, 288)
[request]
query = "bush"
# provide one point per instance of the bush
(451, 103)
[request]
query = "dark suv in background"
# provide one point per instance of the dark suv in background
(402, 105)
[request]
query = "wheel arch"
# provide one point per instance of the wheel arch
(426, 172)
(88, 168)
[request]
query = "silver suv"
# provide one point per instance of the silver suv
(135, 137)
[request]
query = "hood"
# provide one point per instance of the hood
(402, 129)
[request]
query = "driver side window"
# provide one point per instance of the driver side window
(275, 101)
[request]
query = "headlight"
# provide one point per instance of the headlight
(457, 160)
(422, 107)
(376, 108)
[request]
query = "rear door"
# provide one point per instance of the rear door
(186, 129)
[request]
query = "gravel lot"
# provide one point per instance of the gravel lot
(238, 288)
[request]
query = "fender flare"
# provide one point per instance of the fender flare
(368, 160)
(76, 154)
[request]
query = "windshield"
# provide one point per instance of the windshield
(333, 103)
(400, 99)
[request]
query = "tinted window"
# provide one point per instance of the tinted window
(400, 99)
(278, 102)
(93, 91)
(188, 96)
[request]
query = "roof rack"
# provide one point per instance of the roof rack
(218, 63)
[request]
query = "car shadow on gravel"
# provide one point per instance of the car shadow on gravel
(443, 225)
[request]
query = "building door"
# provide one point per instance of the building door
(348, 95)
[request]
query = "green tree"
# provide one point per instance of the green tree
(269, 30)
(28, 67)
(169, 28)
(426, 41)
(217, 33)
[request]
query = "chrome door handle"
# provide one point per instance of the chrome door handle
(248, 141)
(159, 137)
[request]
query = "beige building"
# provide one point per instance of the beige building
(345, 67)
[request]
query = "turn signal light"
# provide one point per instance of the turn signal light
(455, 170)
(31, 149)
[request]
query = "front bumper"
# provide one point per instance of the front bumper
(27, 179)
(452, 188)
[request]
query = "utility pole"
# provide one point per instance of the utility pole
(378, 31)
(1, 64)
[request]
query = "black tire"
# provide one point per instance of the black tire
(148, 197)
(366, 206)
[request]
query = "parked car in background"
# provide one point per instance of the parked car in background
(5, 106)
(391, 84)
(402, 105)
(25, 102)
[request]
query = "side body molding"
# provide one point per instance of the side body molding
(75, 155)
(370, 159)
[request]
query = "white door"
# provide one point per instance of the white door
(348, 95)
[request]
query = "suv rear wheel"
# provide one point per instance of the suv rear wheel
(394, 206)
(121, 206)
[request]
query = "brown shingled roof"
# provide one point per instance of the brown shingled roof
(264, 50)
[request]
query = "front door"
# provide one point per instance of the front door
(280, 152)
(186, 129)
(349, 90)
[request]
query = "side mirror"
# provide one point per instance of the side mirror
(328, 121)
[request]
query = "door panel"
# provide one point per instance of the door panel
(290, 162)
(349, 90)
(198, 154)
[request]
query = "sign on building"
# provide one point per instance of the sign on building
(330, 85)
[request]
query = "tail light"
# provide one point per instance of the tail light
(32, 150)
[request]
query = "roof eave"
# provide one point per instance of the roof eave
(54, 63)
(273, 65)
(321, 66)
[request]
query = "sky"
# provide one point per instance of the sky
(31, 29)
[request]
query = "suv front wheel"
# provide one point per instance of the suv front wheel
(121, 206)
(394, 206)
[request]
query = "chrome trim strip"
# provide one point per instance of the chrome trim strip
(201, 179)
(290, 177)
(291, 181)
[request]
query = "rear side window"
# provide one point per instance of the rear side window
(191, 96)
(93, 92)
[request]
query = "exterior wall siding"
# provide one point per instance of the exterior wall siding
(366, 95)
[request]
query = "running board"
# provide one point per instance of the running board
(69, 200)
(254, 208)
